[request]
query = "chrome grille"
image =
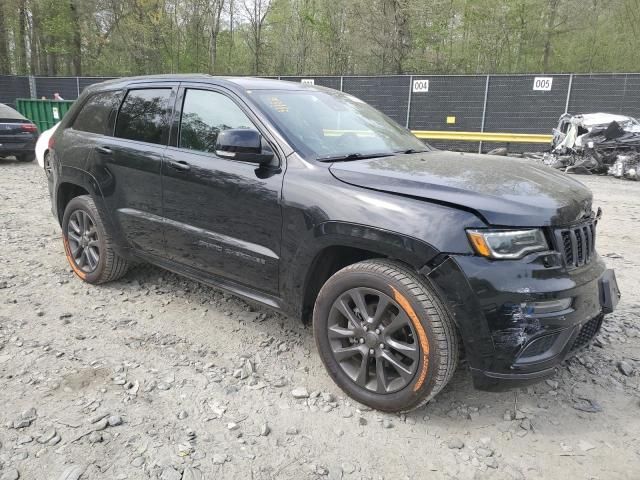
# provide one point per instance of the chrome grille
(577, 243)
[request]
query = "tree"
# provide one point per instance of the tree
(5, 65)
(76, 37)
(303, 37)
(215, 13)
(256, 14)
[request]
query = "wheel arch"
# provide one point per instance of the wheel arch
(66, 192)
(335, 245)
(72, 182)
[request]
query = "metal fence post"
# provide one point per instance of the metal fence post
(409, 100)
(341, 80)
(78, 86)
(484, 111)
(566, 105)
(624, 95)
(32, 86)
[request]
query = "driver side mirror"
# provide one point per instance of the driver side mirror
(244, 145)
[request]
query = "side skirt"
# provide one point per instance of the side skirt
(213, 281)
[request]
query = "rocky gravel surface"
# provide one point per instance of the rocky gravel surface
(156, 376)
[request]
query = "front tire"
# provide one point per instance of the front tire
(384, 335)
(87, 244)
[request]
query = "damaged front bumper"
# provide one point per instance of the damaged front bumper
(520, 319)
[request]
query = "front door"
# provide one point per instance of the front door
(222, 216)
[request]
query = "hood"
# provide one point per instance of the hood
(504, 191)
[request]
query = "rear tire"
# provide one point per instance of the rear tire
(397, 354)
(28, 157)
(87, 244)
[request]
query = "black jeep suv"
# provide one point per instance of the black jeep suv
(310, 201)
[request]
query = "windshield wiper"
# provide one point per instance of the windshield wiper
(352, 156)
(410, 150)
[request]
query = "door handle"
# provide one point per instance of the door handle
(179, 165)
(104, 150)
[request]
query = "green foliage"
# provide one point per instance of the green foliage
(304, 37)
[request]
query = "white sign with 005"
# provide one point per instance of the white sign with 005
(543, 83)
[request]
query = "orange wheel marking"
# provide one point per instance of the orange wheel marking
(422, 335)
(67, 251)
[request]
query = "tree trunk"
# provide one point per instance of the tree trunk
(214, 52)
(256, 37)
(22, 39)
(5, 64)
(76, 39)
(34, 50)
(52, 64)
(401, 35)
(548, 37)
(215, 29)
(256, 57)
(593, 44)
(44, 62)
(231, 25)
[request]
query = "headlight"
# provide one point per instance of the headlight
(507, 243)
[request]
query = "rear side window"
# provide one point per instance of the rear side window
(144, 116)
(204, 115)
(96, 112)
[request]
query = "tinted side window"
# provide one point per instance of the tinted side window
(144, 116)
(204, 115)
(96, 112)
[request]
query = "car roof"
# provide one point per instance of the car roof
(234, 83)
(600, 118)
(9, 113)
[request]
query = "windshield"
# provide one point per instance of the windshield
(329, 125)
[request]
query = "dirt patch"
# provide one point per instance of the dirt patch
(85, 378)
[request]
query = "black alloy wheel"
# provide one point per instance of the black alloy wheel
(83, 241)
(385, 335)
(373, 340)
(88, 244)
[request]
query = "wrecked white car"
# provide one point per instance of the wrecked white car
(573, 130)
(597, 143)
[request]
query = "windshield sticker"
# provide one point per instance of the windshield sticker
(278, 105)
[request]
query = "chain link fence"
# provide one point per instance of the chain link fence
(525, 104)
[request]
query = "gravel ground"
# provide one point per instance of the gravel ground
(155, 376)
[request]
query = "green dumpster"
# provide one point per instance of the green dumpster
(44, 113)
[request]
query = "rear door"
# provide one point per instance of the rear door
(222, 216)
(130, 163)
(92, 125)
